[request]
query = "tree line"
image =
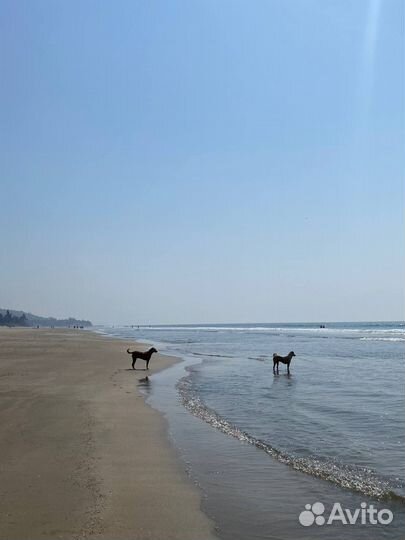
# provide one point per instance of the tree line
(13, 320)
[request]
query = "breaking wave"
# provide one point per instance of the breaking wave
(355, 478)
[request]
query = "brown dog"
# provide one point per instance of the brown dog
(283, 359)
(142, 356)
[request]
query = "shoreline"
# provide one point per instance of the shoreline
(83, 455)
(246, 491)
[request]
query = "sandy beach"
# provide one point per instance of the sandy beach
(81, 454)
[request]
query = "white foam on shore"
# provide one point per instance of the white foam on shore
(355, 478)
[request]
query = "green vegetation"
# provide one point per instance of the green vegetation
(12, 320)
(9, 317)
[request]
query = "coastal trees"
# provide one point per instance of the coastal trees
(9, 317)
(13, 320)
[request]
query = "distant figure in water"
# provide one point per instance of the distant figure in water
(142, 356)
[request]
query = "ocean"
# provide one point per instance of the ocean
(262, 446)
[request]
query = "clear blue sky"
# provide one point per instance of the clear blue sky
(203, 161)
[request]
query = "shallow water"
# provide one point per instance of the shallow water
(332, 431)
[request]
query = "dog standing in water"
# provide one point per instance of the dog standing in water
(284, 360)
(142, 356)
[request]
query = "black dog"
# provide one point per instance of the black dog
(142, 356)
(283, 359)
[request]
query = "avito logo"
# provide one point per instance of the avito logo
(314, 513)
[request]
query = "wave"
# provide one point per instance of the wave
(213, 355)
(288, 331)
(382, 339)
(355, 478)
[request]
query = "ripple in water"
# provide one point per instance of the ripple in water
(359, 479)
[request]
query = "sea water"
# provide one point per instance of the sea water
(334, 427)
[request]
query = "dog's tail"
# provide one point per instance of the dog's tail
(128, 351)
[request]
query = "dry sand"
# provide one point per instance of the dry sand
(81, 454)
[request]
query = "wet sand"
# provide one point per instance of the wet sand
(81, 454)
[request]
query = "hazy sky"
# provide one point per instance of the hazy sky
(203, 161)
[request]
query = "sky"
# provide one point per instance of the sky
(203, 161)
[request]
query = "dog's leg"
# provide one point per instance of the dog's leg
(274, 367)
(288, 368)
(133, 362)
(147, 364)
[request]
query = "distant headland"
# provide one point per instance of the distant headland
(12, 317)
